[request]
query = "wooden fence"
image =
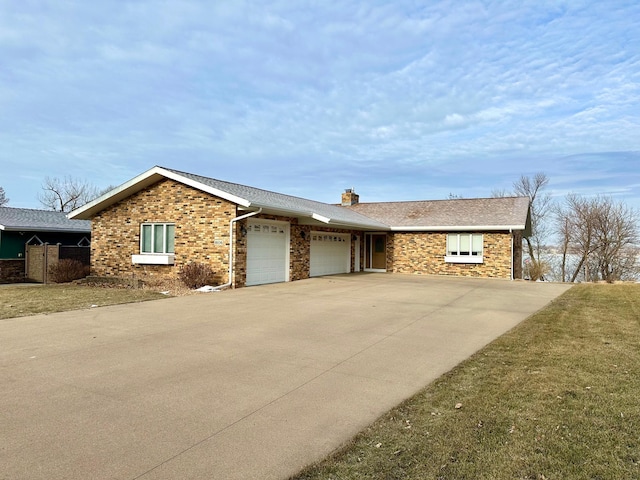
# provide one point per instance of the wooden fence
(40, 258)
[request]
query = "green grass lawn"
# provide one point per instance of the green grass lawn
(19, 301)
(558, 397)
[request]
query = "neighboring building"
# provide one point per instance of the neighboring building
(163, 219)
(21, 227)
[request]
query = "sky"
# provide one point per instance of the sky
(401, 100)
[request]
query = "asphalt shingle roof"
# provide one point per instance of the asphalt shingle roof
(42, 220)
(489, 212)
(273, 200)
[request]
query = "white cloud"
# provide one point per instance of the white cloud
(301, 91)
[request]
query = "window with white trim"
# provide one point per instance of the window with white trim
(157, 238)
(464, 248)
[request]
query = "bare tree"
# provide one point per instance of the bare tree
(104, 190)
(533, 187)
(500, 193)
(564, 228)
(601, 235)
(574, 222)
(540, 206)
(66, 194)
(616, 233)
(3, 198)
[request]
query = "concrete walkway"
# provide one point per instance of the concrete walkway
(247, 384)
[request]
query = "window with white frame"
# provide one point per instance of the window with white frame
(157, 238)
(464, 248)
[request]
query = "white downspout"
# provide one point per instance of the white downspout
(231, 244)
(512, 263)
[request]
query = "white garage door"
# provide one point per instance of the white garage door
(267, 252)
(330, 253)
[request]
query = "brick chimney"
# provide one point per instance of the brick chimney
(350, 197)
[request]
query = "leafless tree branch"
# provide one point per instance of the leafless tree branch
(66, 194)
(602, 234)
(3, 198)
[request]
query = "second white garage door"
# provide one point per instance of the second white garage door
(330, 253)
(267, 252)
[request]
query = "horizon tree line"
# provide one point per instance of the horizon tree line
(598, 237)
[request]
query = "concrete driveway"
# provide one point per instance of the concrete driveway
(247, 384)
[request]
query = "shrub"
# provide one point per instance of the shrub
(196, 275)
(536, 270)
(67, 270)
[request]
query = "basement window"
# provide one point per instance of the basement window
(464, 248)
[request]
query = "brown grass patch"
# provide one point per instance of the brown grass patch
(19, 301)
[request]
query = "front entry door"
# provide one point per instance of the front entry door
(379, 254)
(376, 252)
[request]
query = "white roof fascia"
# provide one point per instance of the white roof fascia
(32, 228)
(320, 218)
(283, 212)
(308, 220)
(115, 192)
(149, 174)
(302, 214)
(266, 208)
(452, 228)
(358, 226)
(201, 186)
(328, 221)
(1, 227)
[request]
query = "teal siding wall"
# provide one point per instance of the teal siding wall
(12, 244)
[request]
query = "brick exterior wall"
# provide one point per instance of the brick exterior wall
(202, 235)
(201, 231)
(423, 253)
(299, 248)
(300, 251)
(12, 271)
